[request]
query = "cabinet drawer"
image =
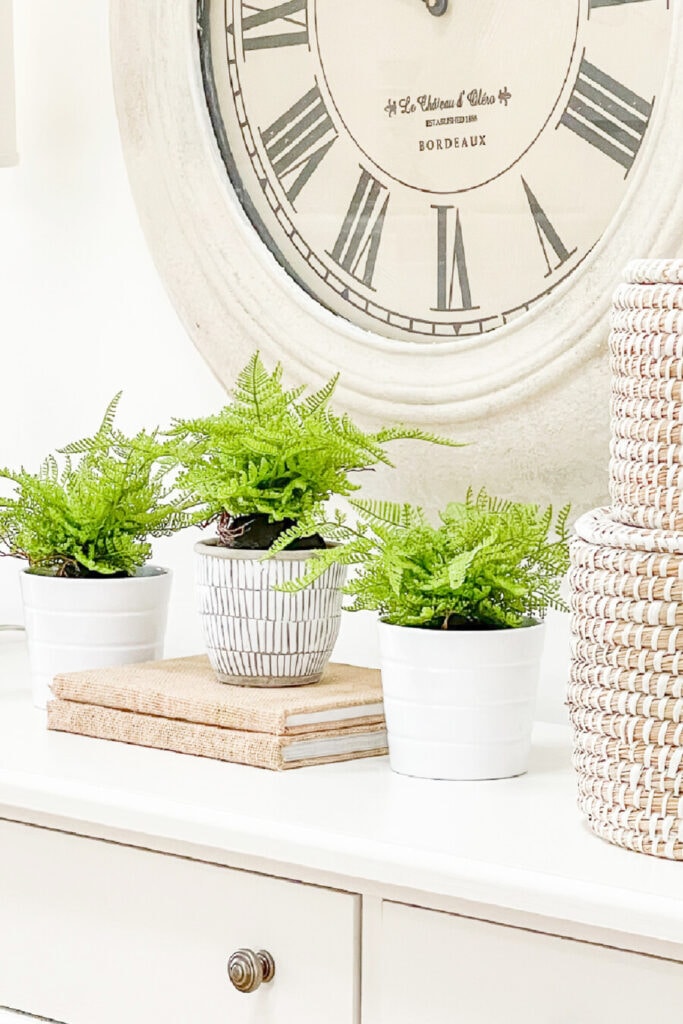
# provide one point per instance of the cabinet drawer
(441, 968)
(93, 933)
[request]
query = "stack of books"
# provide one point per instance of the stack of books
(178, 705)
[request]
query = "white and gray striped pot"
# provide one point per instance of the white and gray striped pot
(254, 634)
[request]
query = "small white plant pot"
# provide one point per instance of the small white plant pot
(460, 704)
(75, 624)
(254, 634)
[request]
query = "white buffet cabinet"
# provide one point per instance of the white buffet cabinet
(128, 877)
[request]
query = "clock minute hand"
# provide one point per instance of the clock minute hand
(436, 7)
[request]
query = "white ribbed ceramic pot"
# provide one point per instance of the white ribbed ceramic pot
(460, 704)
(75, 624)
(254, 634)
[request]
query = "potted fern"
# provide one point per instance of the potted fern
(263, 470)
(83, 528)
(461, 610)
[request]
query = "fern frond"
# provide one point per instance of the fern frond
(415, 434)
(96, 515)
(490, 562)
(320, 399)
(386, 512)
(107, 424)
(274, 452)
(251, 383)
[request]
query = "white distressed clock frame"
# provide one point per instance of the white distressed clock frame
(233, 296)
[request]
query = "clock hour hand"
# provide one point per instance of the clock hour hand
(436, 7)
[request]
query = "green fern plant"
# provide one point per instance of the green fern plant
(92, 512)
(488, 564)
(270, 459)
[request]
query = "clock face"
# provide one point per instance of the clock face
(432, 176)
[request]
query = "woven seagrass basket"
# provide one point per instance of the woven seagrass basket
(629, 296)
(625, 693)
(600, 528)
(654, 272)
(629, 471)
(645, 516)
(647, 321)
(657, 453)
(646, 399)
(653, 431)
(624, 344)
(668, 368)
(619, 609)
(602, 583)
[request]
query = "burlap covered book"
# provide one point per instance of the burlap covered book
(186, 688)
(178, 705)
(259, 749)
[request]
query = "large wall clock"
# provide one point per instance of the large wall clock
(433, 196)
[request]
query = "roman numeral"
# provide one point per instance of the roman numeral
(451, 264)
(607, 115)
(297, 142)
(290, 19)
(611, 3)
(357, 246)
(547, 235)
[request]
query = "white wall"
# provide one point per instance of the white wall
(83, 311)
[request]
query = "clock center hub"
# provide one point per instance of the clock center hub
(445, 104)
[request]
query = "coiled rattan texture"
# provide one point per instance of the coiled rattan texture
(626, 680)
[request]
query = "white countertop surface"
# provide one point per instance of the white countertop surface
(519, 844)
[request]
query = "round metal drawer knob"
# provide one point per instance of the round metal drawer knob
(248, 970)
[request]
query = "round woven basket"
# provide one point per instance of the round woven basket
(666, 392)
(652, 410)
(665, 760)
(655, 815)
(648, 296)
(635, 659)
(616, 680)
(624, 562)
(626, 609)
(656, 346)
(625, 698)
(604, 583)
(636, 636)
(621, 702)
(600, 528)
(653, 474)
(625, 692)
(657, 453)
(667, 368)
(628, 839)
(631, 729)
(663, 499)
(659, 834)
(658, 803)
(653, 431)
(647, 321)
(645, 517)
(654, 272)
(634, 776)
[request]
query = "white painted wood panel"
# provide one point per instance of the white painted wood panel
(93, 933)
(439, 839)
(440, 968)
